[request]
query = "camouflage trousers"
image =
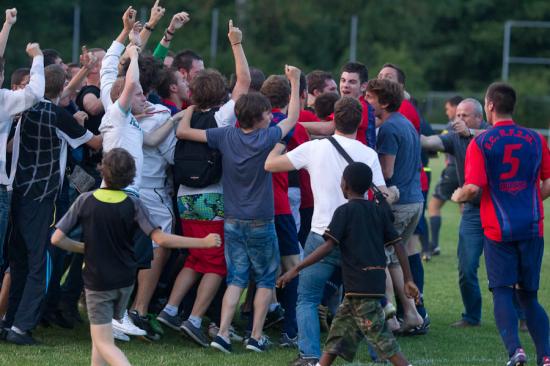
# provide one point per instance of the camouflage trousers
(359, 317)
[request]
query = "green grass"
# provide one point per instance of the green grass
(442, 345)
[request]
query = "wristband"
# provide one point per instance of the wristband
(234, 44)
(166, 37)
(148, 27)
(170, 33)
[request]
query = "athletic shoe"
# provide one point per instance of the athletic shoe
(545, 361)
(142, 322)
(221, 345)
(426, 256)
(436, 250)
(273, 317)
(119, 336)
(286, 342)
(213, 331)
(127, 327)
(173, 322)
(518, 359)
(389, 310)
(322, 311)
(419, 330)
(258, 345)
(299, 361)
(155, 325)
(24, 339)
(194, 333)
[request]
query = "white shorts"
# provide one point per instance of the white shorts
(159, 204)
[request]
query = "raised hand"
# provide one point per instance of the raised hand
(87, 59)
(178, 21)
(33, 50)
(134, 36)
(212, 240)
(80, 117)
(235, 35)
(133, 51)
(129, 18)
(157, 12)
(292, 73)
(11, 16)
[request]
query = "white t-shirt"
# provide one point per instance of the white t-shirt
(119, 128)
(325, 166)
(225, 117)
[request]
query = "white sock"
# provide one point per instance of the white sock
(195, 320)
(171, 310)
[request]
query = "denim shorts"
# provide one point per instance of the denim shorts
(251, 249)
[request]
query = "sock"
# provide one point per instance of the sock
(171, 310)
(417, 270)
(195, 320)
(435, 226)
(273, 307)
(506, 318)
(17, 330)
(537, 322)
(288, 300)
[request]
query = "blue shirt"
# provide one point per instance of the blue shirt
(398, 137)
(247, 187)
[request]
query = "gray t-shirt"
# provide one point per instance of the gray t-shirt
(247, 187)
(398, 137)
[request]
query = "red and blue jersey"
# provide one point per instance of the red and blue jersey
(508, 162)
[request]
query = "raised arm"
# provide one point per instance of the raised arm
(276, 161)
(88, 60)
(432, 143)
(178, 20)
(11, 18)
(157, 12)
(131, 83)
(175, 241)
(293, 74)
(319, 128)
(241, 64)
(185, 132)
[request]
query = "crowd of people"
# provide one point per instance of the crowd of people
(155, 192)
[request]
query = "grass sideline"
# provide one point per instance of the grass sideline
(441, 346)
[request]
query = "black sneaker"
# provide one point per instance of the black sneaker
(274, 317)
(221, 345)
(24, 339)
(142, 322)
(304, 362)
(518, 358)
(195, 333)
(173, 322)
(286, 342)
(258, 345)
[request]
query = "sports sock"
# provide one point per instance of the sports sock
(417, 270)
(537, 322)
(288, 300)
(435, 226)
(171, 310)
(195, 320)
(506, 318)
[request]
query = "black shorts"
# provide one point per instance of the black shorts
(447, 184)
(287, 235)
(143, 250)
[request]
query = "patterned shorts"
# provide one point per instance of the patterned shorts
(206, 206)
(357, 318)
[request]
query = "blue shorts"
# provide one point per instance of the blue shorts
(251, 249)
(287, 236)
(514, 263)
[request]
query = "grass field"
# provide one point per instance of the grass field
(441, 346)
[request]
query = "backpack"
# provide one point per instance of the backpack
(197, 165)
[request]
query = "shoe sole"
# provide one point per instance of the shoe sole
(168, 324)
(254, 348)
(192, 335)
(125, 331)
(219, 347)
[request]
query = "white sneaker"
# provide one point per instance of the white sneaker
(118, 335)
(127, 327)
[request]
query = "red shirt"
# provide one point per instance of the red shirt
(508, 162)
(280, 180)
(410, 113)
(299, 137)
(307, 116)
(362, 129)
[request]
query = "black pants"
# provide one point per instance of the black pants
(29, 260)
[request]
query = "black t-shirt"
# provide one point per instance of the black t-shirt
(109, 220)
(361, 229)
(91, 158)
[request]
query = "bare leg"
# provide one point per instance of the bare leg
(261, 304)
(413, 245)
(103, 342)
(185, 280)
(411, 317)
(4, 294)
(97, 360)
(399, 360)
(148, 279)
(229, 305)
(327, 359)
(208, 287)
(392, 322)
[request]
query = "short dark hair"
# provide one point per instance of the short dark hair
(118, 168)
(503, 97)
(316, 80)
(18, 75)
(277, 89)
(168, 78)
(454, 101)
(184, 59)
(257, 77)
(358, 177)
(324, 104)
(388, 92)
(149, 72)
(50, 55)
(208, 89)
(347, 115)
(400, 73)
(250, 108)
(359, 69)
(55, 80)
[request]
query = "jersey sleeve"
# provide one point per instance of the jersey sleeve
(70, 130)
(474, 166)
(299, 157)
(386, 141)
(71, 218)
(336, 230)
(143, 219)
(215, 136)
(447, 140)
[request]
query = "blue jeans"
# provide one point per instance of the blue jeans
(310, 291)
(5, 201)
(251, 248)
(470, 247)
